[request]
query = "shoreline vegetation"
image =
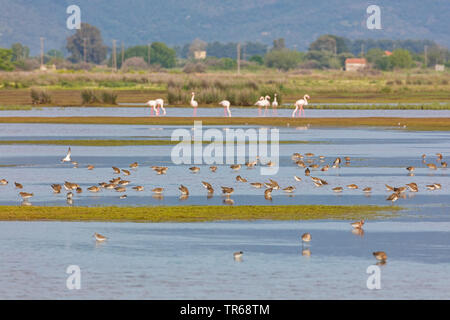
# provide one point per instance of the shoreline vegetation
(64, 88)
(196, 213)
(352, 106)
(119, 143)
(418, 124)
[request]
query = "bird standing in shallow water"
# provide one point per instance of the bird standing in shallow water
(306, 237)
(99, 237)
(380, 255)
(357, 224)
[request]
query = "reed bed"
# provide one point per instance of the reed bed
(196, 213)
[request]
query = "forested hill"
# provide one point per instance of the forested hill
(181, 21)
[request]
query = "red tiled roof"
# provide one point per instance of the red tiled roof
(355, 60)
(387, 53)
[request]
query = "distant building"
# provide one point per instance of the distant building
(354, 64)
(200, 55)
(387, 53)
(439, 67)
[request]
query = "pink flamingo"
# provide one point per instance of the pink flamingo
(259, 103)
(226, 107)
(194, 104)
(275, 104)
(152, 105)
(160, 103)
(299, 104)
(266, 104)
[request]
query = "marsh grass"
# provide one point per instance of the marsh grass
(420, 124)
(195, 213)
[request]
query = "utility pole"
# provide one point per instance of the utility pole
(114, 57)
(42, 51)
(362, 49)
(148, 53)
(123, 53)
(85, 50)
(238, 58)
(425, 51)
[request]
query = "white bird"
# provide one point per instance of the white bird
(194, 103)
(226, 104)
(67, 158)
(152, 104)
(275, 102)
(299, 104)
(260, 102)
(160, 103)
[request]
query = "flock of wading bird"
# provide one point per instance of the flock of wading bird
(306, 161)
(263, 102)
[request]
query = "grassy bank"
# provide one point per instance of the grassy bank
(421, 124)
(194, 213)
(119, 143)
(323, 86)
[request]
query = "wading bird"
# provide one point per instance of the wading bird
(226, 107)
(299, 106)
(68, 156)
(194, 104)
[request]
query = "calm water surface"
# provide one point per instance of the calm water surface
(194, 261)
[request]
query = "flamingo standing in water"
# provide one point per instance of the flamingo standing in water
(259, 103)
(226, 107)
(275, 104)
(299, 104)
(266, 103)
(160, 103)
(194, 104)
(152, 105)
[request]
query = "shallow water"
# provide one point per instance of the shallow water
(378, 157)
(216, 112)
(195, 261)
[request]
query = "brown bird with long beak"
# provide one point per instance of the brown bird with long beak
(227, 191)
(184, 190)
(56, 188)
(116, 170)
(357, 224)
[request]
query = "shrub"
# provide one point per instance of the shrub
(40, 97)
(88, 97)
(109, 97)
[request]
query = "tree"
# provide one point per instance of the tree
(257, 59)
(159, 54)
(437, 55)
(330, 43)
(95, 49)
(279, 44)
(20, 52)
(283, 59)
(374, 54)
(134, 63)
(163, 55)
(197, 45)
(6, 56)
(401, 58)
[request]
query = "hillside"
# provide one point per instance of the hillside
(179, 22)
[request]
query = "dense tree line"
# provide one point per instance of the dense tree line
(326, 52)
